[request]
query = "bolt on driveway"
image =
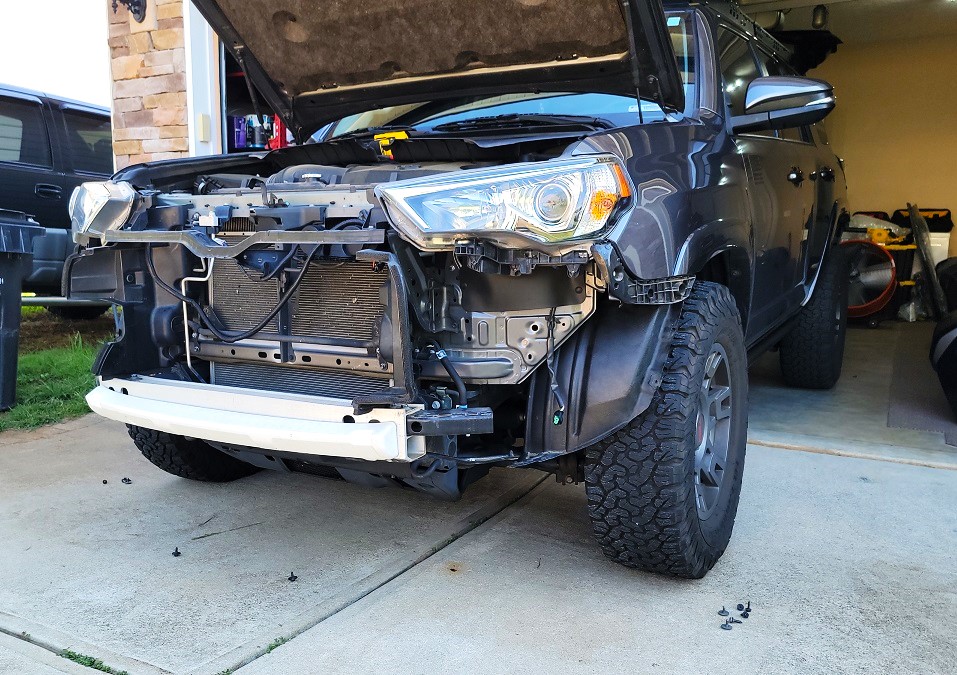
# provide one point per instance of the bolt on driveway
(89, 566)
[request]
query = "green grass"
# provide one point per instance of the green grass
(51, 384)
(90, 662)
(278, 642)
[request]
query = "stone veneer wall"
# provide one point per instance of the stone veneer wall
(149, 83)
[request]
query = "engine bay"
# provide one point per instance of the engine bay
(292, 274)
(297, 282)
(332, 337)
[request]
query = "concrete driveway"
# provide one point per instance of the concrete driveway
(850, 565)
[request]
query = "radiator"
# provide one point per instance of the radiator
(297, 380)
(337, 299)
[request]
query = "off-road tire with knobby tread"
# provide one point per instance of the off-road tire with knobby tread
(188, 457)
(640, 481)
(812, 353)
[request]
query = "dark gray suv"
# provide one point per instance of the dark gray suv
(553, 247)
(49, 146)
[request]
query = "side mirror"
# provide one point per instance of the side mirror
(783, 102)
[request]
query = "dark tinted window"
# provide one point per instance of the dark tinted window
(738, 68)
(23, 135)
(775, 67)
(90, 140)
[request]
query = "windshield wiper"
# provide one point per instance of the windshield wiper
(518, 121)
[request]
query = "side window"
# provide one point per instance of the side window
(682, 40)
(90, 140)
(794, 134)
(738, 68)
(23, 135)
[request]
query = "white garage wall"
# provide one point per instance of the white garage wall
(204, 96)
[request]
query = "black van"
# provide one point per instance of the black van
(48, 146)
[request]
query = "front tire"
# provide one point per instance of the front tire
(188, 457)
(663, 491)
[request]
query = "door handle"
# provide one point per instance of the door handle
(48, 191)
(796, 176)
(826, 174)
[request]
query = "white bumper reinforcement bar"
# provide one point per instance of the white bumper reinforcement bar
(309, 425)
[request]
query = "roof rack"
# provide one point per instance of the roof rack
(733, 13)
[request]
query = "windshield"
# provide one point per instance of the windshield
(612, 109)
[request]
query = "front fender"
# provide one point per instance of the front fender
(608, 370)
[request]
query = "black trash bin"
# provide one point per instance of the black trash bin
(17, 232)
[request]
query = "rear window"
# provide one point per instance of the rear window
(23, 135)
(91, 141)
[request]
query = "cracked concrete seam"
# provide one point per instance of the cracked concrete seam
(248, 652)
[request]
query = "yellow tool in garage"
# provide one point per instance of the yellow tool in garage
(883, 236)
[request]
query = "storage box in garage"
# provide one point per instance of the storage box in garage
(939, 246)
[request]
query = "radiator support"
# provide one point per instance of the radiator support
(324, 342)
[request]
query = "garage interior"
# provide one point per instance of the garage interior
(894, 128)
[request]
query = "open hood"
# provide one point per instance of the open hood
(318, 60)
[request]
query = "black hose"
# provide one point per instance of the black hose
(281, 265)
(249, 86)
(208, 320)
(450, 369)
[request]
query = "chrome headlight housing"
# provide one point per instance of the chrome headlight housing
(100, 206)
(557, 202)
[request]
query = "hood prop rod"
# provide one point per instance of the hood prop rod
(249, 86)
(633, 54)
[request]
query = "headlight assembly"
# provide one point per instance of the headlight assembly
(100, 206)
(555, 202)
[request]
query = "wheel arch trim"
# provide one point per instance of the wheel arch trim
(608, 371)
(721, 240)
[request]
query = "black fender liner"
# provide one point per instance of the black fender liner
(146, 312)
(608, 370)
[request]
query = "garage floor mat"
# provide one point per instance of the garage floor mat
(916, 399)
